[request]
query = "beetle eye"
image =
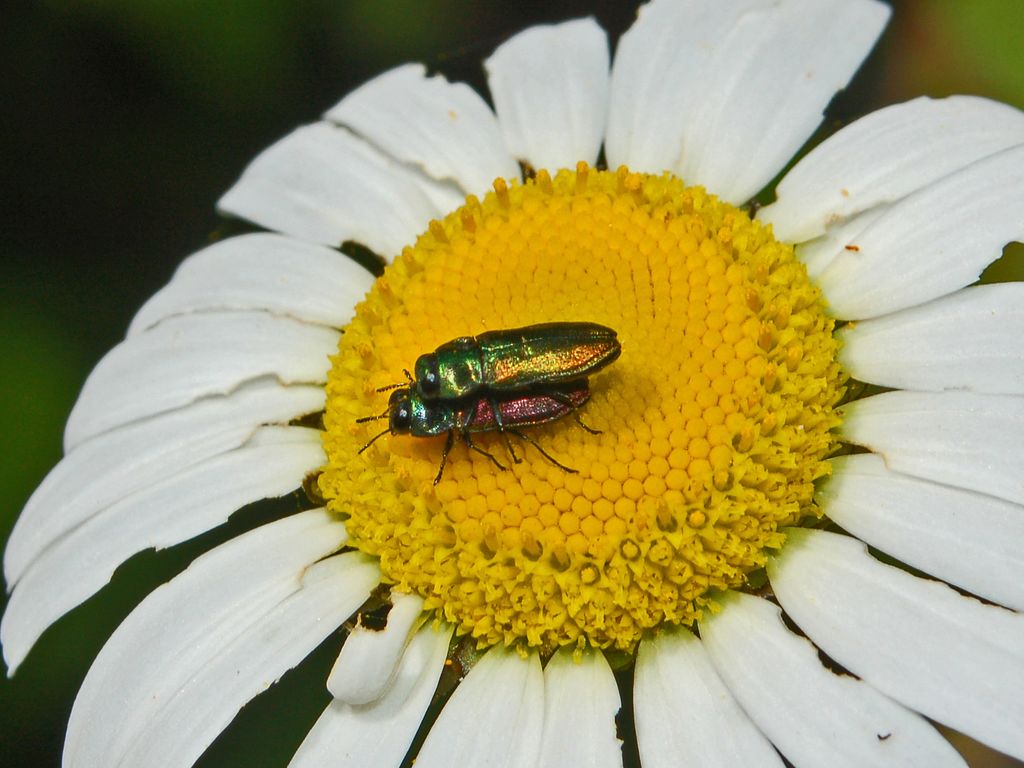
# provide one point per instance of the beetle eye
(401, 417)
(429, 382)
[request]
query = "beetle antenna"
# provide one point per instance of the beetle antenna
(365, 419)
(408, 376)
(373, 440)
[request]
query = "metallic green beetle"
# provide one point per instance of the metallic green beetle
(514, 360)
(410, 414)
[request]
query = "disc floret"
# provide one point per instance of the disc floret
(715, 422)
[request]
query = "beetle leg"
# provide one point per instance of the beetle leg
(565, 400)
(545, 454)
(470, 444)
(511, 451)
(449, 441)
(591, 430)
(465, 418)
(504, 435)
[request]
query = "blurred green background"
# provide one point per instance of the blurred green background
(124, 122)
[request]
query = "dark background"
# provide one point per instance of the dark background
(125, 120)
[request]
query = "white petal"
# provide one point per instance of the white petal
(380, 733)
(278, 274)
(323, 184)
(885, 156)
(189, 357)
(949, 657)
(955, 438)
(776, 72)
(106, 469)
(655, 91)
(814, 716)
(967, 341)
(581, 700)
(183, 626)
(817, 254)
(750, 90)
(370, 658)
(82, 562)
(195, 713)
(652, 93)
(686, 715)
(445, 196)
(933, 242)
(550, 89)
(965, 538)
(494, 718)
(444, 128)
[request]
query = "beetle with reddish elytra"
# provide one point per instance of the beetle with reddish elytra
(409, 414)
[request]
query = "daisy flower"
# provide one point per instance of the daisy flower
(794, 527)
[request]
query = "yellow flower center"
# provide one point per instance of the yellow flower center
(715, 421)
